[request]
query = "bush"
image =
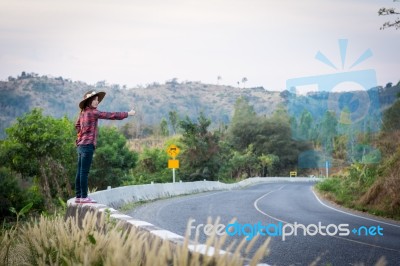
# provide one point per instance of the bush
(12, 195)
(10, 192)
(112, 159)
(349, 188)
(329, 185)
(152, 167)
(41, 149)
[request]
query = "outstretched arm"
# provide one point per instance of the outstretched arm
(111, 115)
(114, 115)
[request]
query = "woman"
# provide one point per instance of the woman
(86, 126)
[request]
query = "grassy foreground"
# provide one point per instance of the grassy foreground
(99, 240)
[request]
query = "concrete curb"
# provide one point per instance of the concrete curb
(117, 197)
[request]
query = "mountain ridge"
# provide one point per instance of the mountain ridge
(58, 97)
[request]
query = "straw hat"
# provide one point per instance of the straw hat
(91, 94)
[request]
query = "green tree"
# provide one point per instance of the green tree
(112, 159)
(252, 166)
(244, 120)
(128, 130)
(244, 133)
(244, 80)
(328, 131)
(238, 165)
(151, 167)
(200, 150)
(281, 115)
(271, 135)
(305, 125)
(10, 192)
(41, 149)
(164, 128)
(243, 111)
(218, 79)
(274, 137)
(173, 119)
(267, 162)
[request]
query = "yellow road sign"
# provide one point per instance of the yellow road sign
(174, 164)
(173, 151)
(293, 174)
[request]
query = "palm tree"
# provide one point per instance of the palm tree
(244, 80)
(218, 79)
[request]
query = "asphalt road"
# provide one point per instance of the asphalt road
(285, 206)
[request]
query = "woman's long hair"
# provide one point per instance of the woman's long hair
(87, 103)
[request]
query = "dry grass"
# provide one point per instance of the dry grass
(98, 241)
(383, 196)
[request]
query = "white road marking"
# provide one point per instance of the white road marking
(260, 211)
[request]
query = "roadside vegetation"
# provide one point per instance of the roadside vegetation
(372, 187)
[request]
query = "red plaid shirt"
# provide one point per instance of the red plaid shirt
(86, 125)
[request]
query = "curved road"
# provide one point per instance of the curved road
(281, 208)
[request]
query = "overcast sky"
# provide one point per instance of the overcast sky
(136, 42)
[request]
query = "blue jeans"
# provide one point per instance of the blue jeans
(85, 156)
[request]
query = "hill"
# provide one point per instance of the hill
(59, 97)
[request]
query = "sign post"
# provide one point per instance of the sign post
(327, 168)
(173, 164)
